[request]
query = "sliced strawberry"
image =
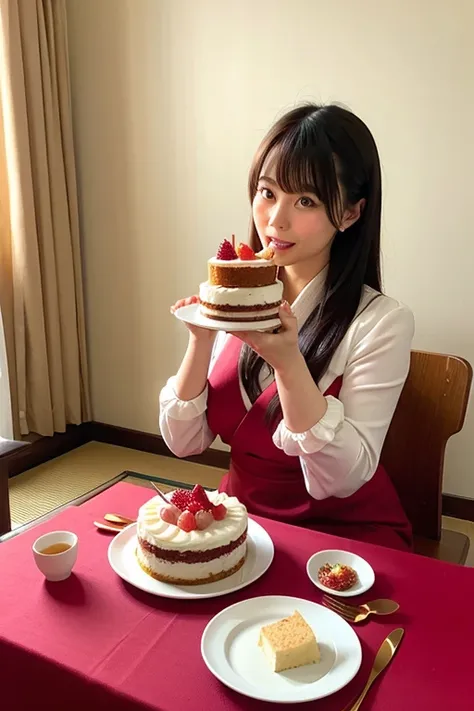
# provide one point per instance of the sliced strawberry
(219, 512)
(181, 499)
(170, 514)
(204, 519)
(245, 252)
(187, 521)
(199, 496)
(226, 251)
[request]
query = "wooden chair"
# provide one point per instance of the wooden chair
(432, 408)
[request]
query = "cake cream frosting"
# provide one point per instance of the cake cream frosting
(239, 263)
(240, 288)
(266, 298)
(168, 553)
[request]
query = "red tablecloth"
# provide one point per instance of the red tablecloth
(95, 642)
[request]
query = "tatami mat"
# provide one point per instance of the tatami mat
(60, 480)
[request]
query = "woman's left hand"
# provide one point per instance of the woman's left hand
(278, 349)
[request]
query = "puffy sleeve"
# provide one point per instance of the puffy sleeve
(341, 452)
(183, 423)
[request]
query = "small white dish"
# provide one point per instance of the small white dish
(229, 647)
(124, 562)
(365, 572)
(56, 566)
(191, 314)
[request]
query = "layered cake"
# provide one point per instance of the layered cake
(289, 643)
(242, 285)
(198, 537)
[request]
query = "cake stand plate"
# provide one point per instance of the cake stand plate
(123, 560)
(229, 647)
(192, 315)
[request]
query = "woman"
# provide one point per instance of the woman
(306, 410)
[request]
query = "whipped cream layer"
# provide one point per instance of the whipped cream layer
(241, 296)
(256, 263)
(192, 571)
(151, 528)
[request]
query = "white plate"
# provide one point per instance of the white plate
(229, 647)
(191, 314)
(123, 560)
(365, 572)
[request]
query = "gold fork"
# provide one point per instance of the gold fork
(357, 613)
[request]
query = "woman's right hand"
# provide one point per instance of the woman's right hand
(200, 334)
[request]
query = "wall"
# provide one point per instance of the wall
(171, 98)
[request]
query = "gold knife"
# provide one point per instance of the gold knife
(382, 659)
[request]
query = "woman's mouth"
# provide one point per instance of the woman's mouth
(279, 244)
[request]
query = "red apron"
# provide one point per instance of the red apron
(271, 484)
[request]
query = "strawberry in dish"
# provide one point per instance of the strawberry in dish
(337, 576)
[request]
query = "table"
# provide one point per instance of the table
(95, 642)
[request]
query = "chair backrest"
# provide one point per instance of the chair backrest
(432, 407)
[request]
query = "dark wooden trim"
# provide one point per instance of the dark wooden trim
(5, 519)
(46, 448)
(7, 449)
(458, 507)
(154, 443)
(23, 456)
(17, 457)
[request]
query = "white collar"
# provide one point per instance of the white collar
(307, 299)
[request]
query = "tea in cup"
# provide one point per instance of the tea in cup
(55, 554)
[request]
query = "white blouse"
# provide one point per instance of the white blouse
(341, 451)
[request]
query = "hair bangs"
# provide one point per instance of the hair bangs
(305, 163)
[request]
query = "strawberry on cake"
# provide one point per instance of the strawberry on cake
(242, 285)
(199, 537)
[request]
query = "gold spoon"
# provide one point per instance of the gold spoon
(118, 521)
(117, 518)
(383, 657)
(357, 613)
(108, 527)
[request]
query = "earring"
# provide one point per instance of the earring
(341, 229)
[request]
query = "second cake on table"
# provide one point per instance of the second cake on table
(242, 286)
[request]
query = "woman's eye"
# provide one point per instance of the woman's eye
(307, 202)
(267, 194)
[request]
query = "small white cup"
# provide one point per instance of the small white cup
(55, 566)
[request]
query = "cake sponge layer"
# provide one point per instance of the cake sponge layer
(289, 643)
(241, 274)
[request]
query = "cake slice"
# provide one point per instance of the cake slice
(289, 643)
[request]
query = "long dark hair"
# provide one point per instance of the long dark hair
(328, 151)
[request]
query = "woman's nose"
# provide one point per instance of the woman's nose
(279, 218)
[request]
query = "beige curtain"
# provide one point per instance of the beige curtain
(40, 258)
